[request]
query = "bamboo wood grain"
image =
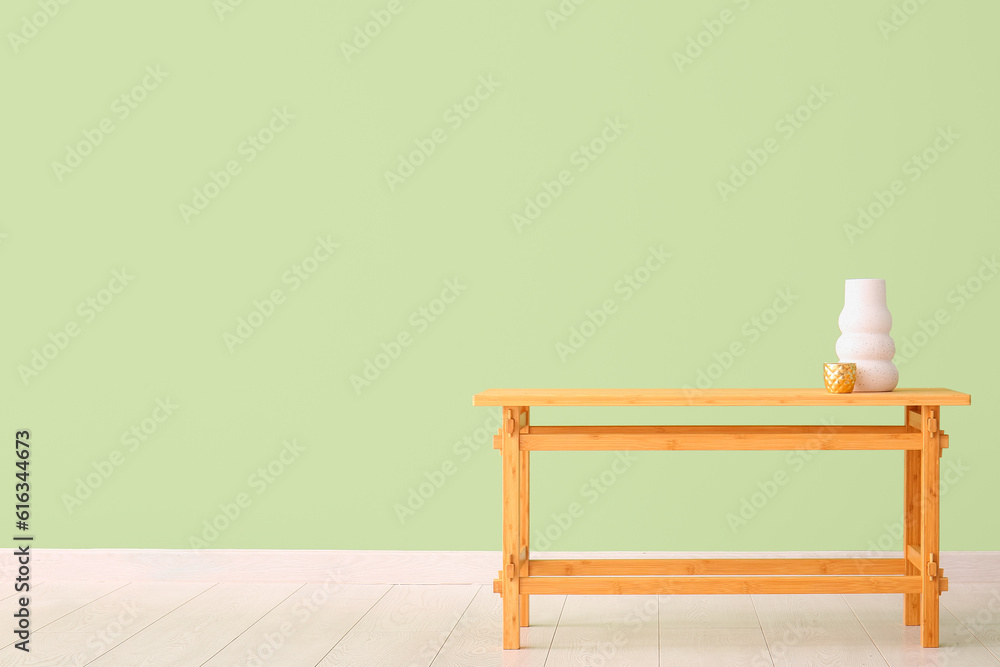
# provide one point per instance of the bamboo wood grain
(716, 566)
(731, 429)
(525, 519)
(911, 514)
(914, 557)
(709, 440)
(942, 580)
(929, 526)
(719, 585)
(805, 432)
(920, 437)
(808, 396)
(511, 456)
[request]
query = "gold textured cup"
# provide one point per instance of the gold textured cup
(840, 377)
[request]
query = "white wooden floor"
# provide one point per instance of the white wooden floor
(170, 623)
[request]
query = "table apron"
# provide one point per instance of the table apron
(718, 438)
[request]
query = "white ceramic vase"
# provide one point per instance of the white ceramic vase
(864, 324)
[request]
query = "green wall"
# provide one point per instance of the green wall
(217, 216)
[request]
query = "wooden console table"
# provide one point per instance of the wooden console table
(917, 575)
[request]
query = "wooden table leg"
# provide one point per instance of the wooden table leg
(511, 455)
(911, 522)
(525, 524)
(930, 472)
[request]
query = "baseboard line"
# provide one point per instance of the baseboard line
(379, 567)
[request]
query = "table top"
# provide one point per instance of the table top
(681, 397)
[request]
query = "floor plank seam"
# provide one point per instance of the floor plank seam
(970, 631)
(863, 627)
(244, 631)
(763, 636)
(354, 625)
(548, 651)
(150, 624)
(457, 623)
(71, 611)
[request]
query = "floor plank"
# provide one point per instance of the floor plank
(54, 601)
(606, 630)
(303, 628)
(478, 637)
(9, 593)
(814, 630)
(899, 644)
(331, 623)
(711, 630)
(193, 632)
(977, 607)
(89, 631)
(133, 606)
(407, 626)
(972, 566)
(364, 649)
(419, 608)
(56, 649)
